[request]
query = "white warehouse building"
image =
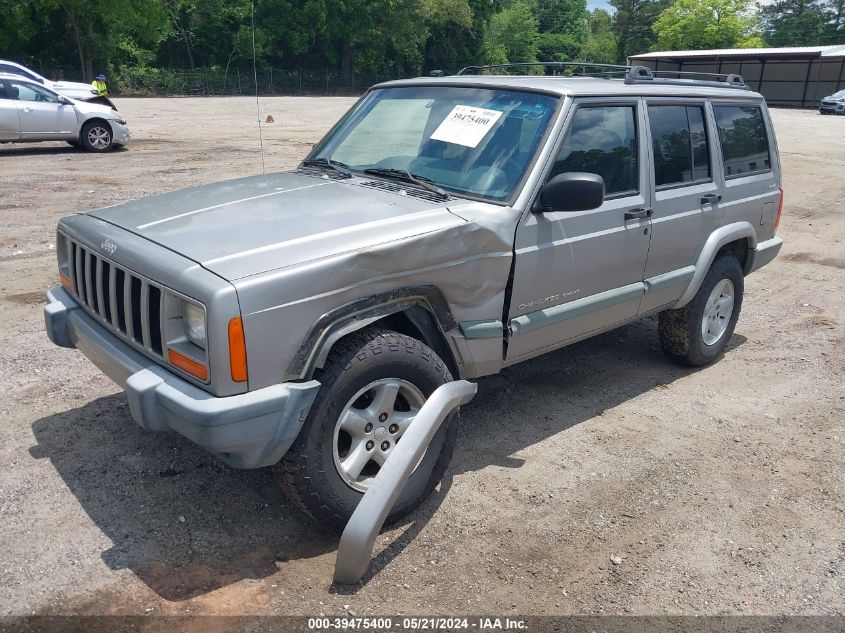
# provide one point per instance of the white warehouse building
(797, 76)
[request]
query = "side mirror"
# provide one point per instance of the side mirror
(64, 100)
(571, 191)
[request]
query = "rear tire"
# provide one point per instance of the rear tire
(318, 473)
(696, 334)
(97, 136)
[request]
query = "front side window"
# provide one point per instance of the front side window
(679, 141)
(602, 140)
(745, 144)
(28, 92)
(473, 141)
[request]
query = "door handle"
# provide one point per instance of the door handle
(637, 214)
(27, 109)
(710, 198)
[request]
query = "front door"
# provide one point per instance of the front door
(42, 115)
(10, 123)
(581, 272)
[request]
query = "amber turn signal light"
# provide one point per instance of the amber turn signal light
(237, 350)
(188, 365)
(65, 281)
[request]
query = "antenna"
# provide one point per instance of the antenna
(255, 78)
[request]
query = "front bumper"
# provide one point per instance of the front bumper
(120, 133)
(764, 253)
(250, 430)
(836, 107)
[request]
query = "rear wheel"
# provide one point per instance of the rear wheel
(373, 384)
(96, 136)
(696, 334)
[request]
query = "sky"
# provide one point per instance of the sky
(599, 4)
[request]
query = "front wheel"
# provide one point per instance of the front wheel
(696, 334)
(96, 136)
(373, 384)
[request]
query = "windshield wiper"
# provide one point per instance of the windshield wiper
(324, 161)
(404, 174)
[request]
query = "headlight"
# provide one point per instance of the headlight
(193, 319)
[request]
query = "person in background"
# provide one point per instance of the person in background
(99, 84)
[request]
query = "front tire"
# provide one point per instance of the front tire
(97, 136)
(696, 334)
(372, 383)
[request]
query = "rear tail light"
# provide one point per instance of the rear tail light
(780, 209)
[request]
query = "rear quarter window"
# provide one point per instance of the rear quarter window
(744, 140)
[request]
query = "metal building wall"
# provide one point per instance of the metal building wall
(801, 82)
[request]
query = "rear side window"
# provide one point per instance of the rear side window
(603, 141)
(679, 139)
(745, 144)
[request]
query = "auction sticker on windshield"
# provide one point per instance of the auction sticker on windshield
(466, 125)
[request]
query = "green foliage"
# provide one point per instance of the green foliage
(796, 22)
(138, 42)
(633, 23)
(602, 46)
(512, 35)
(702, 24)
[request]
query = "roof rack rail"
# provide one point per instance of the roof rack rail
(640, 74)
(631, 74)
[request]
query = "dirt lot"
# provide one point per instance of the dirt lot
(722, 490)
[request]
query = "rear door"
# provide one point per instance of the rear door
(43, 117)
(687, 195)
(10, 123)
(579, 272)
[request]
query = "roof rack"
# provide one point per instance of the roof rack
(631, 74)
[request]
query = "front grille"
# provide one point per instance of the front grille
(128, 304)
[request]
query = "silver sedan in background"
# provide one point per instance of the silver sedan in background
(31, 112)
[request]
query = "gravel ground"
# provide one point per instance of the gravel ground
(598, 479)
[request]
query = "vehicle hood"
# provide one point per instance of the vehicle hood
(74, 86)
(254, 225)
(88, 109)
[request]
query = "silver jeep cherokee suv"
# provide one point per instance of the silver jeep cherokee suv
(445, 227)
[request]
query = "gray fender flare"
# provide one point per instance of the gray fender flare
(717, 239)
(356, 315)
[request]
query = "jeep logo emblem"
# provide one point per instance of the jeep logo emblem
(109, 247)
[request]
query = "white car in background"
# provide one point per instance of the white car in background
(70, 89)
(31, 112)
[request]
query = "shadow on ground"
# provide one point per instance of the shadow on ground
(186, 524)
(18, 150)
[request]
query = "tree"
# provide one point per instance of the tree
(796, 23)
(564, 29)
(701, 24)
(633, 21)
(602, 47)
(512, 35)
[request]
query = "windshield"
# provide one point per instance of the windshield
(838, 95)
(471, 141)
